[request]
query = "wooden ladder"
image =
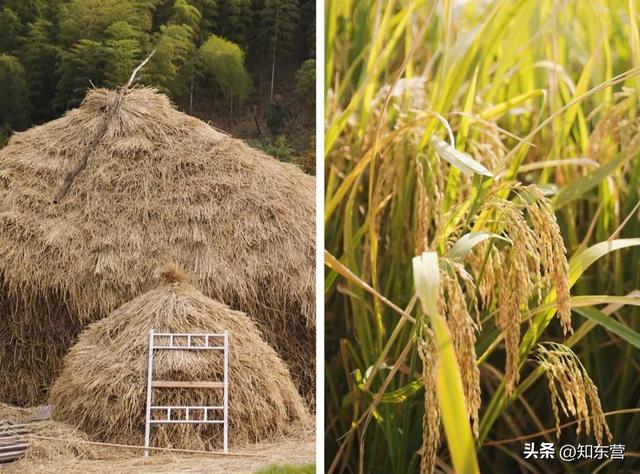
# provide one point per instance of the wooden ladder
(190, 342)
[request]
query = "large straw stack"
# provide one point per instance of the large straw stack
(102, 388)
(159, 185)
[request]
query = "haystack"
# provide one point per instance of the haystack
(102, 387)
(158, 186)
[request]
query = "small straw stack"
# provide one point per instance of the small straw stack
(102, 388)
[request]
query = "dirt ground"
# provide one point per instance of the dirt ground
(297, 453)
(57, 447)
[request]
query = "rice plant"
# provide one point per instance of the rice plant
(482, 187)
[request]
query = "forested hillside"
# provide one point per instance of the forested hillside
(247, 66)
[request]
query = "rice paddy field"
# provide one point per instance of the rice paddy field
(482, 188)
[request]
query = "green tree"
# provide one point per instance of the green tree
(180, 13)
(173, 66)
(14, 113)
(81, 66)
(278, 24)
(29, 11)
(122, 52)
(236, 18)
(306, 82)
(183, 13)
(10, 31)
(67, 46)
(89, 19)
(277, 116)
(209, 13)
(223, 61)
(308, 27)
(174, 46)
(40, 57)
(279, 20)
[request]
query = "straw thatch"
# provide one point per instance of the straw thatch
(159, 186)
(102, 387)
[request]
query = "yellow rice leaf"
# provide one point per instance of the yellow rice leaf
(503, 107)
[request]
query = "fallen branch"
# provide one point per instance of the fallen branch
(104, 126)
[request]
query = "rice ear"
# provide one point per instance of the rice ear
(463, 332)
(578, 395)
(535, 260)
(431, 420)
(553, 254)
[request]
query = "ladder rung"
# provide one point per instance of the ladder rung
(183, 407)
(188, 348)
(186, 422)
(177, 384)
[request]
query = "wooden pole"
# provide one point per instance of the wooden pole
(104, 126)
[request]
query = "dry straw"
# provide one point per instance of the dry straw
(102, 387)
(70, 442)
(159, 186)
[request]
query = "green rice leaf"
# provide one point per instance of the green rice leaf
(619, 329)
(402, 394)
(465, 243)
(584, 184)
(460, 160)
(580, 262)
